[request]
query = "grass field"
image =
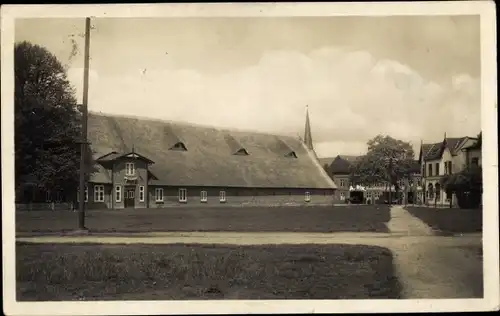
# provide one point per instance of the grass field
(356, 218)
(163, 272)
(449, 220)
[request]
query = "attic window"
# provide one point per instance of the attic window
(241, 152)
(179, 146)
(291, 154)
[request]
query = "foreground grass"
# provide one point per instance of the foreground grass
(177, 272)
(369, 218)
(449, 220)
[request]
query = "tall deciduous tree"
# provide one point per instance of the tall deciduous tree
(387, 160)
(47, 120)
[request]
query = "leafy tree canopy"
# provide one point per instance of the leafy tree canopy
(387, 159)
(47, 120)
(468, 180)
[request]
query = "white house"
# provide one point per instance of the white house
(439, 159)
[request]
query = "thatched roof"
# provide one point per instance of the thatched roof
(209, 158)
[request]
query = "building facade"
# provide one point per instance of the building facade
(444, 158)
(339, 169)
(143, 163)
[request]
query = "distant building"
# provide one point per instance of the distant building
(447, 157)
(339, 169)
(150, 163)
(473, 155)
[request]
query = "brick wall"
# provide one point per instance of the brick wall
(242, 197)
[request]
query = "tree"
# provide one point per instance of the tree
(467, 185)
(387, 160)
(47, 121)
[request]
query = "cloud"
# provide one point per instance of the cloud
(352, 97)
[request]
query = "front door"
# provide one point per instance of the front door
(130, 197)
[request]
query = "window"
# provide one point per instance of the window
(131, 194)
(437, 169)
(99, 193)
(182, 195)
(342, 196)
(159, 194)
(475, 161)
(447, 167)
(141, 193)
(222, 196)
(430, 170)
(203, 196)
(342, 183)
(118, 193)
(129, 169)
(48, 197)
(86, 195)
(307, 197)
(179, 146)
(450, 167)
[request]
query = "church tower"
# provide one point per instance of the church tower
(307, 133)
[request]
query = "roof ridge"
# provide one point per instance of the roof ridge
(188, 124)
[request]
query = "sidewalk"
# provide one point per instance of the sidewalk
(403, 222)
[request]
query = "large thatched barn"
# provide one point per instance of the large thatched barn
(149, 163)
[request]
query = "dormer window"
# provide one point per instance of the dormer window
(179, 146)
(292, 154)
(129, 169)
(241, 152)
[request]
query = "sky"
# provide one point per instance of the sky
(413, 77)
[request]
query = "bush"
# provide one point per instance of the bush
(467, 186)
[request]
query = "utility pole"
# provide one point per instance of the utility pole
(83, 145)
(390, 181)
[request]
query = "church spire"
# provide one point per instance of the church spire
(307, 133)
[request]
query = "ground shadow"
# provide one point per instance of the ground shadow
(180, 272)
(355, 218)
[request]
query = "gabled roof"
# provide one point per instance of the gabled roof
(326, 161)
(115, 155)
(208, 160)
(342, 164)
(350, 158)
(476, 145)
(435, 151)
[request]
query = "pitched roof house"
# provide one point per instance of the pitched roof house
(153, 163)
(342, 164)
(439, 159)
(434, 151)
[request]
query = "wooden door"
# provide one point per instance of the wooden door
(129, 197)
